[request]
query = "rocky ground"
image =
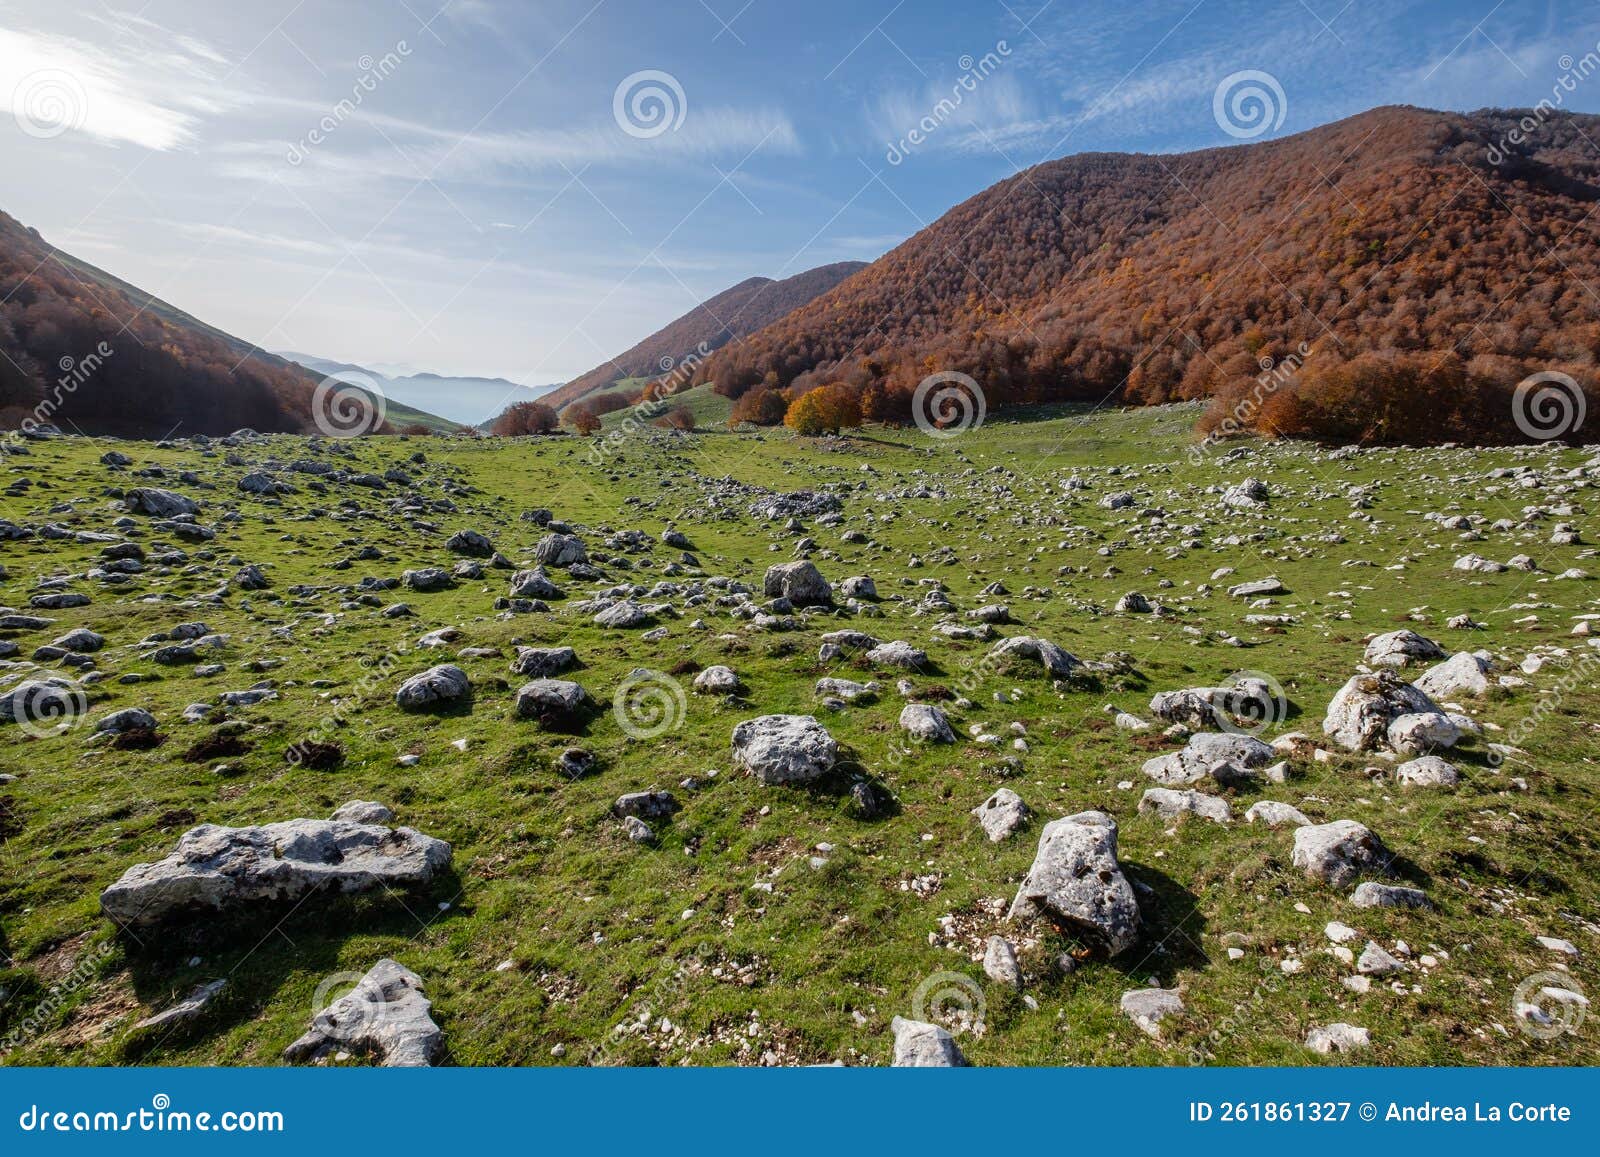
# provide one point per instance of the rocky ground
(1056, 742)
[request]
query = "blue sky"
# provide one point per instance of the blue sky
(470, 187)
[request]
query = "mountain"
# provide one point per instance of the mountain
(709, 326)
(463, 401)
(1146, 278)
(86, 351)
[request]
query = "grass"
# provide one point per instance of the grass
(600, 933)
(710, 410)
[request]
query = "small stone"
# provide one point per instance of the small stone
(1000, 962)
(1148, 1007)
(1338, 1038)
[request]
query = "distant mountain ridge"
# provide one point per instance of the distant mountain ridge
(467, 401)
(732, 314)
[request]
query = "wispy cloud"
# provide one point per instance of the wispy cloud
(146, 89)
(396, 149)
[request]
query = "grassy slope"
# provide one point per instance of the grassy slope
(710, 410)
(599, 930)
(401, 415)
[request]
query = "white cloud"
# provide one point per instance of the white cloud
(55, 85)
(372, 146)
(1481, 73)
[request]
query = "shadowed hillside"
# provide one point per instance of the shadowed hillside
(90, 353)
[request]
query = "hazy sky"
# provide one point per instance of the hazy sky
(523, 189)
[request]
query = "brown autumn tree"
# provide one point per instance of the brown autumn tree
(1408, 238)
(524, 418)
(760, 408)
(582, 418)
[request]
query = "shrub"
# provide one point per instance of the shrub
(522, 418)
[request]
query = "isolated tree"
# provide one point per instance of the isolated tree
(583, 419)
(522, 418)
(825, 410)
(760, 408)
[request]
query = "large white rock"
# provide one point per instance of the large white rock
(1148, 1007)
(1169, 804)
(1203, 752)
(846, 689)
(160, 503)
(1429, 771)
(1338, 852)
(543, 662)
(1056, 661)
(1421, 732)
(385, 1014)
(442, 684)
(717, 680)
(778, 749)
(553, 702)
(534, 584)
(561, 550)
(1275, 814)
(926, 722)
(799, 582)
(1002, 814)
(1076, 877)
(1462, 674)
(898, 653)
(859, 587)
(217, 869)
(40, 700)
(1398, 648)
(1360, 713)
(1251, 494)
